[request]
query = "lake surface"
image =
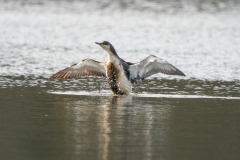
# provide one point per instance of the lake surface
(165, 117)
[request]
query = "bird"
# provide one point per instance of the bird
(120, 74)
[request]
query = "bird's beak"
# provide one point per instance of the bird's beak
(98, 43)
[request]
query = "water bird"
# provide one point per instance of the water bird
(119, 73)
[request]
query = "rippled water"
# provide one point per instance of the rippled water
(165, 117)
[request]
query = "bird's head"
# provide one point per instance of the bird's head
(107, 46)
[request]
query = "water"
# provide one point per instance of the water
(165, 117)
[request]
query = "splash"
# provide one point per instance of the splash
(106, 94)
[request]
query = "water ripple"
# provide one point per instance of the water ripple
(154, 86)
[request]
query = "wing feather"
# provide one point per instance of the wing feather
(86, 67)
(152, 65)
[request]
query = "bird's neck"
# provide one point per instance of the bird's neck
(114, 58)
(112, 55)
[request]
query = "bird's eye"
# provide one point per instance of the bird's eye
(105, 43)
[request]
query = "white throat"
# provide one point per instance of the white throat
(112, 58)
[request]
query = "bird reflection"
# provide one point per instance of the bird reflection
(114, 102)
(104, 125)
(118, 101)
(94, 113)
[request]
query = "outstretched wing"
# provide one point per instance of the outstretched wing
(86, 67)
(152, 65)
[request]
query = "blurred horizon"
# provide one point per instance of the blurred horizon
(156, 6)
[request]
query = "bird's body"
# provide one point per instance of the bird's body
(117, 79)
(119, 74)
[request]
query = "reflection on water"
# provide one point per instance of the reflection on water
(54, 126)
(94, 126)
(103, 122)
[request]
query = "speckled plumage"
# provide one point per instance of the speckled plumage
(113, 77)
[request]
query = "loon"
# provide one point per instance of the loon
(119, 74)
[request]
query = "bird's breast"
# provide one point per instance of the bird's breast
(117, 79)
(113, 71)
(113, 77)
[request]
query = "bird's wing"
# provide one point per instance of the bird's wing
(152, 65)
(86, 67)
